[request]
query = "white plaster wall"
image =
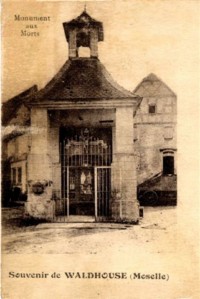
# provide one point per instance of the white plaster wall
(18, 146)
(151, 131)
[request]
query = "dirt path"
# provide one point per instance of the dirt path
(157, 228)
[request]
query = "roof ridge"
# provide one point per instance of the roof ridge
(24, 94)
(153, 78)
(84, 13)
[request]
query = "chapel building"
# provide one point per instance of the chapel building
(77, 138)
(83, 147)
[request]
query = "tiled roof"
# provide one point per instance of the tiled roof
(160, 182)
(10, 108)
(82, 78)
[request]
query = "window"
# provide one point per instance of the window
(168, 161)
(16, 175)
(19, 175)
(152, 109)
(168, 165)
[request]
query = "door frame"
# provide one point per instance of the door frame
(95, 188)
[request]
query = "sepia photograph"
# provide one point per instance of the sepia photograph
(96, 149)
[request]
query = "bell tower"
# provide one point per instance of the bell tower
(83, 31)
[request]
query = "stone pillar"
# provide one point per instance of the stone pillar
(93, 43)
(39, 204)
(72, 44)
(124, 204)
(55, 158)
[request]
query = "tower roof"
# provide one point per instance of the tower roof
(153, 86)
(84, 21)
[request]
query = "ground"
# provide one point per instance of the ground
(154, 233)
(156, 245)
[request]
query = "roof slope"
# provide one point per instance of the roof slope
(82, 78)
(10, 108)
(152, 86)
(160, 182)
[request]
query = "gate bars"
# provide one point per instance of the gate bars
(85, 153)
(102, 185)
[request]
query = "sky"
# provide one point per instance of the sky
(141, 37)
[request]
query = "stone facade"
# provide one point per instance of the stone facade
(124, 203)
(45, 165)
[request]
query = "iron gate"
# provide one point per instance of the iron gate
(86, 178)
(102, 191)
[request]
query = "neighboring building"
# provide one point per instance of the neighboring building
(76, 160)
(73, 147)
(15, 146)
(155, 141)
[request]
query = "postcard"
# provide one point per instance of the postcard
(100, 119)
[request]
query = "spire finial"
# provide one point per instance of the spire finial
(85, 7)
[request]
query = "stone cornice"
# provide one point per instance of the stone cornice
(88, 104)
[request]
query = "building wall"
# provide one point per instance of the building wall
(18, 146)
(17, 151)
(22, 116)
(54, 144)
(154, 132)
